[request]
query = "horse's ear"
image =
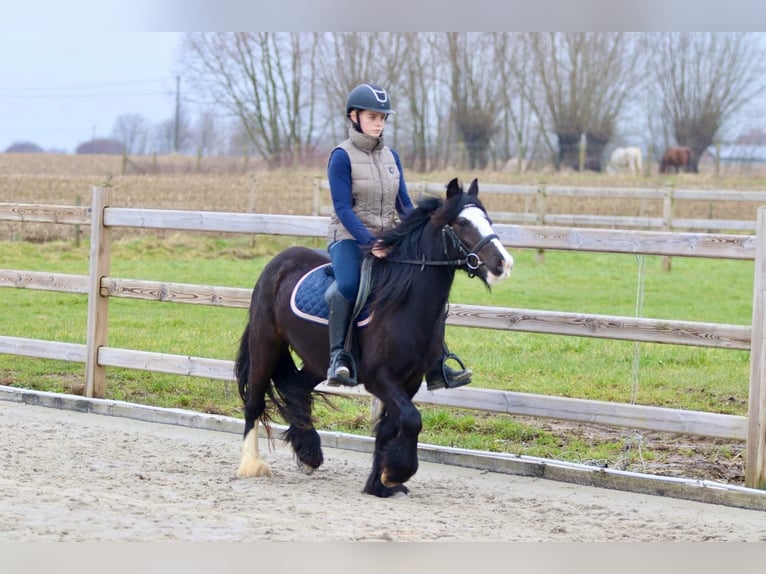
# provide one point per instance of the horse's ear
(454, 188)
(473, 189)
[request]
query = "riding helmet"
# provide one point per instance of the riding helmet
(369, 97)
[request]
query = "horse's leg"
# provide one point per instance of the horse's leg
(250, 463)
(253, 378)
(295, 388)
(386, 431)
(395, 459)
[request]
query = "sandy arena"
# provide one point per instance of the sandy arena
(71, 476)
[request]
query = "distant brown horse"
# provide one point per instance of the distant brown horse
(677, 158)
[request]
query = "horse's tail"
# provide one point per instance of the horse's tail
(291, 391)
(242, 363)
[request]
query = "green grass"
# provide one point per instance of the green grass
(693, 378)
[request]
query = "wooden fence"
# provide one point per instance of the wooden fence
(537, 205)
(100, 286)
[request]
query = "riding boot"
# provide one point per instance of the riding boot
(440, 375)
(341, 363)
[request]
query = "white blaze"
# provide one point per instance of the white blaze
(480, 221)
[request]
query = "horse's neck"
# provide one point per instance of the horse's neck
(433, 287)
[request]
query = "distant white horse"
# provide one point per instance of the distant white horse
(625, 157)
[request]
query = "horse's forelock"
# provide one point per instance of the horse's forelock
(450, 211)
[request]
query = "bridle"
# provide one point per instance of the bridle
(470, 256)
(471, 260)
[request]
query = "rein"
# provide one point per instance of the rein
(471, 259)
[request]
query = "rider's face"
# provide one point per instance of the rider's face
(372, 123)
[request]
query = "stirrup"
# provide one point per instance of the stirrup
(446, 377)
(342, 370)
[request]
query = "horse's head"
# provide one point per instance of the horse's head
(469, 233)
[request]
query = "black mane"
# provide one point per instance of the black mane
(416, 237)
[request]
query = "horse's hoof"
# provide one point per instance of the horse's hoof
(386, 482)
(252, 469)
(306, 469)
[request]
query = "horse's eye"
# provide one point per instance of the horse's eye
(461, 222)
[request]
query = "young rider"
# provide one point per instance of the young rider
(368, 197)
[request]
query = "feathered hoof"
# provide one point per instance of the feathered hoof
(253, 468)
(306, 469)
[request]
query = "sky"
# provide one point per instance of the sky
(69, 69)
(61, 88)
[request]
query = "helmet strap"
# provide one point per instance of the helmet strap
(356, 124)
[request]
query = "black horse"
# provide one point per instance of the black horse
(409, 294)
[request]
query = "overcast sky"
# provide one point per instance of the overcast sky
(69, 69)
(61, 88)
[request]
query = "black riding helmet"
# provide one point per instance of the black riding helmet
(368, 97)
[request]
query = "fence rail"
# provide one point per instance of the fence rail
(538, 212)
(100, 286)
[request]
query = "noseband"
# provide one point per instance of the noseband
(471, 255)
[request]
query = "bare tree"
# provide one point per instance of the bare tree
(208, 134)
(347, 59)
(581, 82)
(162, 137)
(416, 120)
(519, 134)
(265, 80)
(474, 86)
(133, 131)
(702, 80)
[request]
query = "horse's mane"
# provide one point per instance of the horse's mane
(406, 241)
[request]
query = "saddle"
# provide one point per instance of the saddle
(307, 300)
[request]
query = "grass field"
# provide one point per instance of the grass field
(664, 375)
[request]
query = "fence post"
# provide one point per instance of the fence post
(540, 208)
(98, 306)
(251, 194)
(649, 159)
(667, 219)
(77, 230)
(717, 158)
(251, 197)
(315, 198)
(755, 460)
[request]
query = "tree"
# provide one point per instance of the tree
(474, 90)
(265, 79)
(101, 146)
(163, 137)
(133, 131)
(208, 134)
(23, 147)
(415, 71)
(702, 79)
(578, 84)
(347, 59)
(519, 133)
